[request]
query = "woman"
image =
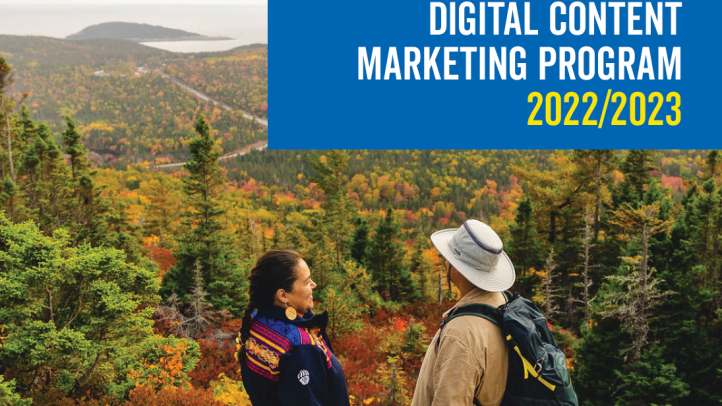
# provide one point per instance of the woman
(286, 358)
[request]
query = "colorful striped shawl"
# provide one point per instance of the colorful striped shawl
(270, 338)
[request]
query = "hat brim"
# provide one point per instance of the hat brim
(498, 279)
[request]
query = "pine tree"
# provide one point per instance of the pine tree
(200, 312)
(200, 317)
(87, 206)
(638, 293)
(205, 240)
(636, 169)
(72, 139)
(652, 381)
(420, 268)
(385, 254)
(689, 322)
(688, 334)
(323, 254)
(549, 289)
(9, 198)
(85, 309)
(347, 296)
(6, 107)
(54, 183)
(245, 238)
(340, 210)
(596, 166)
(660, 243)
(162, 212)
(360, 241)
(587, 281)
(119, 232)
(524, 248)
(558, 196)
(31, 169)
(27, 132)
(597, 360)
(712, 166)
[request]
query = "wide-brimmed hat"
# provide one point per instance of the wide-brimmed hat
(476, 251)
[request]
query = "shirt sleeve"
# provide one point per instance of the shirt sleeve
(456, 373)
(303, 377)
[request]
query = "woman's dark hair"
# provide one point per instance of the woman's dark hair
(276, 269)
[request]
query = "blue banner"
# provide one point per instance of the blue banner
(467, 75)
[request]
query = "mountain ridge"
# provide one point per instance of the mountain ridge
(138, 32)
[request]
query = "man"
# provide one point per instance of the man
(467, 361)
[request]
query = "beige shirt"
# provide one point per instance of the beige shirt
(471, 360)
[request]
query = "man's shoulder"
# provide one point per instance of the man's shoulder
(470, 324)
(472, 327)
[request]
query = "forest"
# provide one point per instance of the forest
(123, 98)
(125, 285)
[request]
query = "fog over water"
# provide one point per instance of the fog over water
(245, 23)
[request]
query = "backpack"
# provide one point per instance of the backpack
(537, 367)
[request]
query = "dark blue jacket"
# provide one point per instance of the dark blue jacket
(291, 362)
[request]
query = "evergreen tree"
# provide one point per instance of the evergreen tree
(587, 280)
(549, 290)
(200, 312)
(652, 381)
(346, 297)
(636, 169)
(323, 254)
(340, 210)
(78, 315)
(688, 334)
(87, 205)
(688, 325)
(596, 166)
(385, 254)
(597, 358)
(6, 107)
(558, 196)
(31, 170)
(54, 184)
(27, 132)
(119, 232)
(162, 212)
(712, 166)
(420, 268)
(246, 246)
(73, 141)
(360, 241)
(524, 247)
(638, 293)
(660, 243)
(9, 198)
(205, 240)
(298, 236)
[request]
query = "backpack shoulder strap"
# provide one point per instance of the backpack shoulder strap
(484, 311)
(488, 312)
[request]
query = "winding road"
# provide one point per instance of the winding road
(203, 96)
(258, 146)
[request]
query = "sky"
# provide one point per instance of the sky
(243, 20)
(147, 2)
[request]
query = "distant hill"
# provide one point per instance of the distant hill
(22, 50)
(138, 33)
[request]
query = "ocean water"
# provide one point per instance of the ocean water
(245, 23)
